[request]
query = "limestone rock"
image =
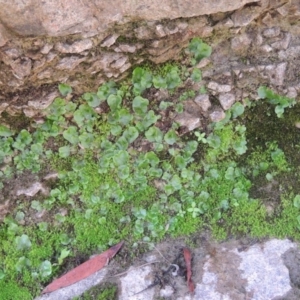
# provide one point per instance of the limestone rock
(4, 36)
(240, 43)
(22, 67)
(220, 88)
(226, 100)
(203, 102)
(69, 63)
(46, 48)
(44, 101)
(32, 190)
(283, 44)
(76, 47)
(58, 18)
(217, 115)
(188, 121)
(126, 48)
(271, 32)
(276, 73)
(109, 40)
(245, 16)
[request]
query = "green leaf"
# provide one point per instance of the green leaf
(173, 78)
(130, 134)
(196, 75)
(23, 139)
(43, 226)
(179, 108)
(115, 130)
(237, 109)
(114, 102)
(180, 161)
(92, 99)
(123, 172)
(170, 137)
(63, 254)
(71, 135)
(141, 79)
(64, 151)
(149, 119)
(107, 89)
(4, 131)
(22, 263)
(64, 89)
(152, 158)
(122, 143)
(199, 49)
(214, 141)
(140, 105)
(83, 113)
(190, 148)
(155, 172)
(163, 105)
(86, 139)
(297, 201)
(240, 146)
(2, 274)
(159, 82)
(65, 239)
(124, 117)
(154, 134)
(176, 182)
(121, 158)
(230, 173)
(279, 110)
(262, 92)
(45, 268)
(36, 205)
(23, 242)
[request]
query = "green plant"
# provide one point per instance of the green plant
(141, 79)
(199, 49)
(281, 102)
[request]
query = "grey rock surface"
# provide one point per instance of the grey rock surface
(221, 271)
(58, 18)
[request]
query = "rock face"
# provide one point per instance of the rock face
(85, 43)
(64, 17)
(228, 271)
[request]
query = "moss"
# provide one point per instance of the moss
(102, 292)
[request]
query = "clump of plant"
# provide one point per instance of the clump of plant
(281, 102)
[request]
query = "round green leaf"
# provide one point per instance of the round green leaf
(71, 135)
(45, 268)
(23, 242)
(91, 99)
(130, 134)
(154, 134)
(121, 158)
(170, 137)
(4, 131)
(64, 89)
(64, 151)
(237, 109)
(140, 105)
(297, 201)
(114, 102)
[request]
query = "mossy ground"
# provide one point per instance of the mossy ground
(127, 175)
